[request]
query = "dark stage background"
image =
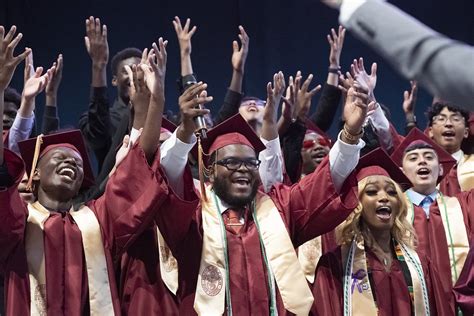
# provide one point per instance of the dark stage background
(285, 35)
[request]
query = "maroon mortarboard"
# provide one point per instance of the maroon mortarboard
(233, 131)
(313, 128)
(167, 126)
(33, 149)
(378, 163)
(417, 138)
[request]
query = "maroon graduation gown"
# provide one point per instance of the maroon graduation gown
(390, 288)
(135, 189)
(309, 208)
(432, 241)
(141, 289)
(449, 186)
(464, 289)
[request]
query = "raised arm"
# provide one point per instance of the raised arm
(174, 151)
(323, 199)
(11, 168)
(35, 83)
(234, 93)
(95, 123)
(50, 116)
(184, 35)
(155, 79)
(409, 102)
(330, 95)
(271, 168)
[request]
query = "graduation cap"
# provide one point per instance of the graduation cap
(378, 163)
(417, 138)
(313, 128)
(233, 131)
(167, 126)
(33, 149)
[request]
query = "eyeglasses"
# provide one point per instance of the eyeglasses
(442, 119)
(256, 102)
(307, 144)
(234, 164)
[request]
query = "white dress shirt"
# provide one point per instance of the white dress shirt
(343, 159)
(20, 130)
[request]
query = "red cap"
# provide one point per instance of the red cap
(167, 126)
(417, 137)
(235, 130)
(70, 139)
(378, 163)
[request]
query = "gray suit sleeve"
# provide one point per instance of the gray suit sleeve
(443, 66)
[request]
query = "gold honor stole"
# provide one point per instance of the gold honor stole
(466, 173)
(308, 255)
(100, 297)
(212, 279)
(454, 229)
(168, 264)
(358, 298)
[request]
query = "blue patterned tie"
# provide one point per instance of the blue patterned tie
(425, 204)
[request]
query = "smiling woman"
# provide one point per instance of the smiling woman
(375, 270)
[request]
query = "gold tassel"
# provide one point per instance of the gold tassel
(201, 169)
(39, 141)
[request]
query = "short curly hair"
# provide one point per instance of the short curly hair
(122, 55)
(437, 107)
(11, 95)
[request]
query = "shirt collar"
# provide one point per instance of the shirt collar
(416, 197)
(458, 155)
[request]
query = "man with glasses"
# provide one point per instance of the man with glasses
(448, 127)
(234, 244)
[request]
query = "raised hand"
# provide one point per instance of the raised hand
(37, 83)
(9, 62)
(345, 82)
(336, 41)
(355, 108)
(184, 35)
(188, 106)
(96, 42)
(29, 70)
(53, 84)
(363, 78)
(139, 93)
(300, 96)
(409, 98)
(155, 69)
(239, 55)
(274, 95)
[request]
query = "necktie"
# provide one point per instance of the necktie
(232, 220)
(425, 204)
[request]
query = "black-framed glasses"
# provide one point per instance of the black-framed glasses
(442, 119)
(233, 164)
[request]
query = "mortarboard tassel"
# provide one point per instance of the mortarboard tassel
(39, 141)
(202, 169)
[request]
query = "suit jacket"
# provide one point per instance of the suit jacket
(442, 65)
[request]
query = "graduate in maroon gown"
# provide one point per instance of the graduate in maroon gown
(449, 128)
(464, 289)
(235, 244)
(56, 259)
(141, 287)
(444, 225)
(376, 270)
